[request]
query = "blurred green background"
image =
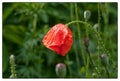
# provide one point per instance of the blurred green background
(25, 24)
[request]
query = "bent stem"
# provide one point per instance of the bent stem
(88, 25)
(72, 22)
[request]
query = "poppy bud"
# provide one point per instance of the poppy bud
(59, 39)
(104, 59)
(87, 15)
(61, 70)
(11, 59)
(95, 27)
(86, 41)
(94, 75)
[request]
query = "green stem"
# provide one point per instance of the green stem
(89, 56)
(87, 66)
(87, 34)
(98, 35)
(107, 72)
(69, 66)
(71, 11)
(92, 63)
(34, 22)
(77, 21)
(106, 18)
(74, 46)
(78, 26)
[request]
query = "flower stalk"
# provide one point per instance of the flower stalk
(12, 63)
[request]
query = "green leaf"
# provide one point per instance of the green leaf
(7, 11)
(43, 16)
(14, 33)
(5, 59)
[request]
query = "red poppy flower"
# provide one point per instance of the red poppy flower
(59, 39)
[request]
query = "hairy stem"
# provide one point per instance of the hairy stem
(107, 72)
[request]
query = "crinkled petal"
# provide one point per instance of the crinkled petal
(59, 39)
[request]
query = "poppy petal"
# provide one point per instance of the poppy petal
(59, 39)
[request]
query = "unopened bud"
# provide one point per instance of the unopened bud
(87, 15)
(95, 27)
(94, 74)
(104, 59)
(11, 59)
(86, 41)
(61, 70)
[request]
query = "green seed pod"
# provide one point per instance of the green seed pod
(61, 70)
(87, 15)
(104, 59)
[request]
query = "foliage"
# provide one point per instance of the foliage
(25, 24)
